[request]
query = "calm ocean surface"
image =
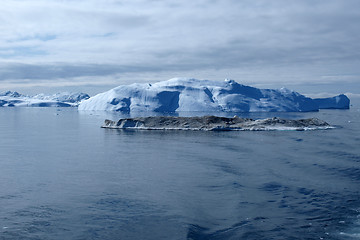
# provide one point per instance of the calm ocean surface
(64, 177)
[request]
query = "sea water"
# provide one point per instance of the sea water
(64, 177)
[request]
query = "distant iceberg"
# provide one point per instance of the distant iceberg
(65, 99)
(214, 123)
(181, 95)
(192, 95)
(338, 102)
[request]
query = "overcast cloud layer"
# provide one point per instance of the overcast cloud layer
(103, 43)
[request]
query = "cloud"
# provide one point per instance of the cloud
(258, 41)
(56, 71)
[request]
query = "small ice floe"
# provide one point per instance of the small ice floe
(214, 123)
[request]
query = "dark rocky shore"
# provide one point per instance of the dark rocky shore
(214, 123)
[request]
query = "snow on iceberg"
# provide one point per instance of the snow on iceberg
(181, 94)
(338, 102)
(65, 99)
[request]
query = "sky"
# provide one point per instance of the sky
(312, 46)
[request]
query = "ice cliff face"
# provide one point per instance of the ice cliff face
(65, 99)
(181, 94)
(338, 102)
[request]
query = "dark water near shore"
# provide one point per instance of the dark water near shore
(63, 177)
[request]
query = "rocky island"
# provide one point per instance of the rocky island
(214, 123)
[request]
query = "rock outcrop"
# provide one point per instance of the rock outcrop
(214, 123)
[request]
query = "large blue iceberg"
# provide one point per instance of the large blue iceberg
(190, 95)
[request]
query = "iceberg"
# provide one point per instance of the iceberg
(214, 123)
(65, 99)
(193, 95)
(338, 102)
